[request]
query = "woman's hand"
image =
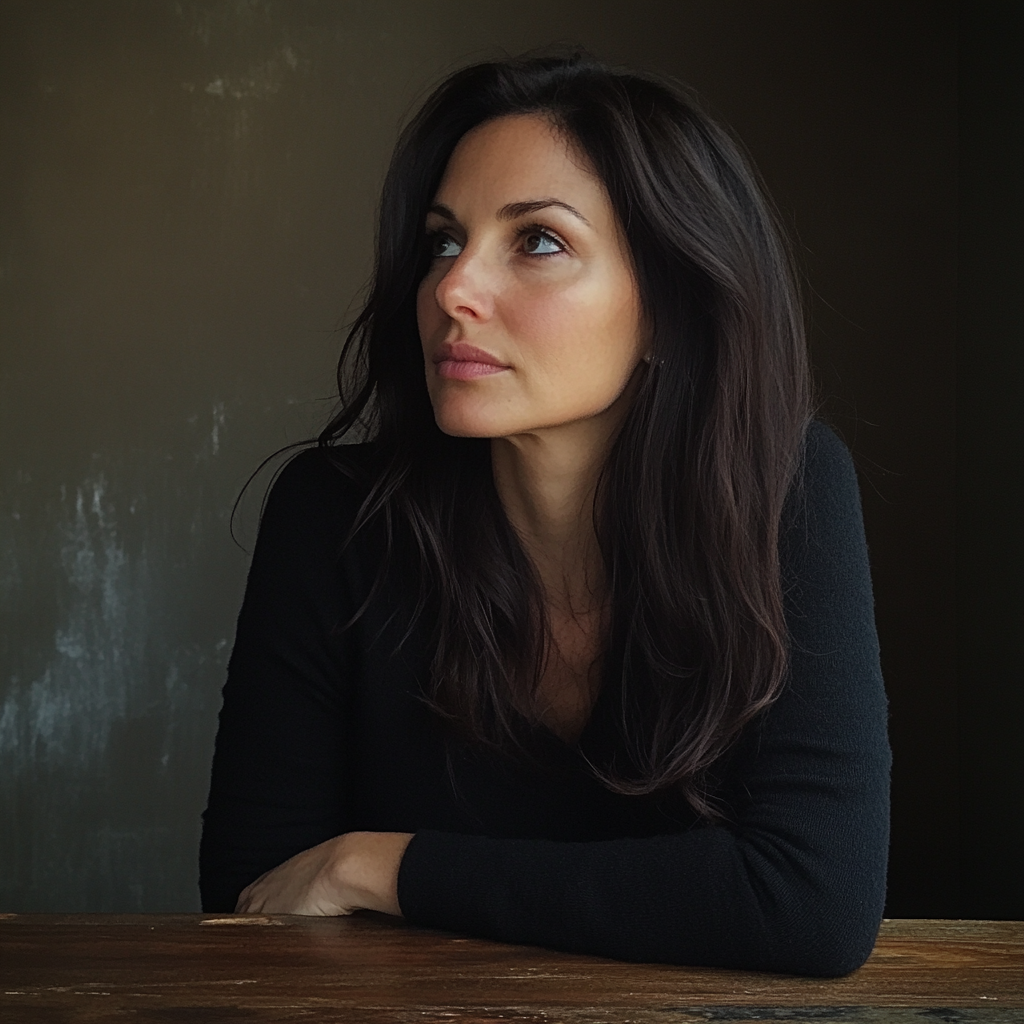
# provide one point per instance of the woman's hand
(354, 871)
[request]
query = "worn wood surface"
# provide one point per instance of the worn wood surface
(371, 968)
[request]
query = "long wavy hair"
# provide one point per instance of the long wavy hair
(691, 497)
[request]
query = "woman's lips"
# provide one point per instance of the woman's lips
(465, 369)
(459, 361)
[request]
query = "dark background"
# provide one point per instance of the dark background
(186, 202)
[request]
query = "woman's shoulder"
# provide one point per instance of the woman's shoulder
(825, 456)
(826, 481)
(341, 469)
(822, 526)
(321, 487)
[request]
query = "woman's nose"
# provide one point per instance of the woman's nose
(466, 291)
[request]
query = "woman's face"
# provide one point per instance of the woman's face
(529, 314)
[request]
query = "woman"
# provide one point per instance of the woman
(578, 649)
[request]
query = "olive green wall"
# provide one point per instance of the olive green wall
(186, 201)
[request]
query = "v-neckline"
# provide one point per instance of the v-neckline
(588, 745)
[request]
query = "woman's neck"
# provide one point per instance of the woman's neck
(546, 481)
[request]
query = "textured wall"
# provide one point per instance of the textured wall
(186, 200)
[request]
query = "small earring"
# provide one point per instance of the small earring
(647, 357)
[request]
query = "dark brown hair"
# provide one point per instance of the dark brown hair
(691, 497)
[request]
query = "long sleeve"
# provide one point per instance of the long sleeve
(278, 782)
(796, 881)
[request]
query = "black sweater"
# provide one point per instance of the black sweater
(322, 732)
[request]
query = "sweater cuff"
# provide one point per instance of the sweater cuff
(428, 882)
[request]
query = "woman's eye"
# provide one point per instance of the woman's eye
(444, 245)
(538, 243)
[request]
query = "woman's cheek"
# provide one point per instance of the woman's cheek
(542, 323)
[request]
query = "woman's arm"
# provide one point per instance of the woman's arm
(279, 782)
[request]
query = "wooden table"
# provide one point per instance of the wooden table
(371, 968)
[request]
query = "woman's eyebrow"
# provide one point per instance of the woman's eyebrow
(510, 211)
(513, 210)
(442, 211)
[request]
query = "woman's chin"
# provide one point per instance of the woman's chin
(460, 418)
(468, 426)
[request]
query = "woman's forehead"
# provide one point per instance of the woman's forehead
(518, 159)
